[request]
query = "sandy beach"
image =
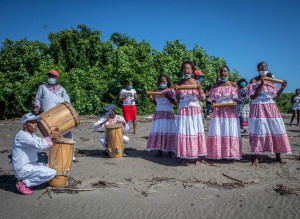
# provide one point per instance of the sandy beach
(142, 186)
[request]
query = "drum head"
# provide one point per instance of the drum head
(63, 140)
(113, 126)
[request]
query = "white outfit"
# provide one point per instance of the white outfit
(296, 105)
(97, 127)
(24, 159)
(130, 99)
(49, 96)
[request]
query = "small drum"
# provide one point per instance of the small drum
(114, 140)
(62, 116)
(61, 159)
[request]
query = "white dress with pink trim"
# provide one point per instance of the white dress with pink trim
(224, 136)
(163, 129)
(190, 138)
(266, 128)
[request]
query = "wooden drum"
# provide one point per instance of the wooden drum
(114, 140)
(62, 116)
(61, 159)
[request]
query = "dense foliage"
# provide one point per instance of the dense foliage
(284, 103)
(94, 71)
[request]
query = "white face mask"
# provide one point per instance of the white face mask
(263, 73)
(51, 81)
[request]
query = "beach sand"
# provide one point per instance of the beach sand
(142, 186)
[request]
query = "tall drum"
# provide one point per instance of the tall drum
(61, 158)
(114, 140)
(62, 116)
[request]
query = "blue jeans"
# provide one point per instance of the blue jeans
(208, 107)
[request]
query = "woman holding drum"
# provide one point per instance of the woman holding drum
(266, 128)
(51, 95)
(190, 138)
(129, 96)
(111, 117)
(163, 129)
(224, 136)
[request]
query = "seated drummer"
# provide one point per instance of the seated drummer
(111, 117)
(24, 155)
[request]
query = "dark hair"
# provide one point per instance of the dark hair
(166, 77)
(128, 82)
(188, 62)
(258, 65)
(224, 66)
(240, 81)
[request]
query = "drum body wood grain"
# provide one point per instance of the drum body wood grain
(114, 140)
(61, 158)
(62, 116)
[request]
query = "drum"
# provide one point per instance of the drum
(114, 140)
(61, 158)
(63, 116)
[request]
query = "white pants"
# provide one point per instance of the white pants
(104, 144)
(69, 135)
(38, 175)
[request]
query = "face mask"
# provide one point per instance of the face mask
(200, 80)
(163, 85)
(224, 79)
(51, 81)
(130, 87)
(263, 73)
(243, 84)
(187, 76)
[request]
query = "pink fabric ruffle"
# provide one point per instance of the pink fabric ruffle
(270, 143)
(191, 146)
(217, 92)
(264, 111)
(227, 147)
(191, 92)
(226, 112)
(170, 92)
(189, 111)
(163, 115)
(161, 141)
(268, 88)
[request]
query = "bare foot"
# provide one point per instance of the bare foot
(75, 161)
(255, 162)
(135, 133)
(196, 162)
(159, 154)
(280, 160)
(292, 125)
(20, 183)
(170, 154)
(298, 125)
(182, 162)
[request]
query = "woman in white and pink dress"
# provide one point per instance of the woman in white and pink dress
(163, 129)
(266, 128)
(190, 139)
(224, 136)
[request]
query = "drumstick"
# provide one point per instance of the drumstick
(217, 105)
(155, 93)
(274, 80)
(193, 87)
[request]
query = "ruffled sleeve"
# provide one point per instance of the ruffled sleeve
(271, 89)
(233, 92)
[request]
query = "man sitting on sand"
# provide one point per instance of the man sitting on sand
(24, 155)
(111, 117)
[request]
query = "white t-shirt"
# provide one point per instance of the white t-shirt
(130, 99)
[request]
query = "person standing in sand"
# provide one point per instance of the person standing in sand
(24, 155)
(190, 137)
(224, 136)
(51, 95)
(163, 129)
(198, 75)
(129, 96)
(266, 128)
(296, 107)
(243, 105)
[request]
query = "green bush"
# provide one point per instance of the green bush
(93, 71)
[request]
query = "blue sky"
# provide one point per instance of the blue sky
(242, 32)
